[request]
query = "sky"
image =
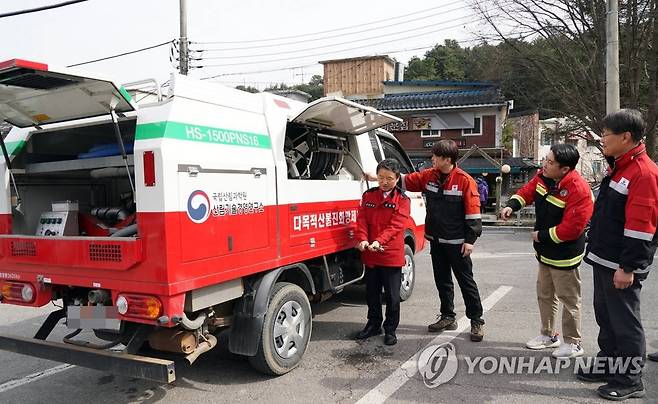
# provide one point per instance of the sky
(247, 42)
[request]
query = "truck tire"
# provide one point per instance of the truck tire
(408, 274)
(286, 331)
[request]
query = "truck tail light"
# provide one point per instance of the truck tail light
(149, 168)
(139, 306)
(18, 292)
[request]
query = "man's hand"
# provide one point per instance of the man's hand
(622, 280)
(506, 213)
(362, 245)
(467, 249)
(369, 176)
(535, 236)
(374, 246)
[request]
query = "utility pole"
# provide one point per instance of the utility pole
(183, 56)
(612, 58)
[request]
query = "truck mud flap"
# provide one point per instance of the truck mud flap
(123, 364)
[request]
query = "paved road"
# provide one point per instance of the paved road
(338, 369)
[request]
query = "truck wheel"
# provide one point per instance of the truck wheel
(408, 274)
(286, 331)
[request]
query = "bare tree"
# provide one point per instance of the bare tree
(568, 53)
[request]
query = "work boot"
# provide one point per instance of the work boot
(477, 331)
(444, 323)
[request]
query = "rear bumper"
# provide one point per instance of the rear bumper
(142, 367)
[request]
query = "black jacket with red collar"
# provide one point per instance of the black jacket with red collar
(453, 205)
(383, 219)
(562, 211)
(623, 229)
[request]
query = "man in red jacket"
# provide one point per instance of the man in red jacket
(563, 205)
(452, 225)
(622, 243)
(383, 215)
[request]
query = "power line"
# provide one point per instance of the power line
(333, 52)
(336, 44)
(330, 30)
(121, 54)
(332, 36)
(34, 10)
(315, 64)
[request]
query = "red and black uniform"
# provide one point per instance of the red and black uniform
(623, 235)
(453, 218)
(383, 218)
(562, 211)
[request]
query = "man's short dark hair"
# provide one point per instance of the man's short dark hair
(390, 165)
(566, 155)
(446, 148)
(626, 120)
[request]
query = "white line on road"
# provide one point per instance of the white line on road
(401, 375)
(12, 384)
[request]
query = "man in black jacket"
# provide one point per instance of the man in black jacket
(622, 242)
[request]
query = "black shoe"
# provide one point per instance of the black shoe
(390, 339)
(368, 332)
(653, 357)
(444, 323)
(617, 392)
(589, 377)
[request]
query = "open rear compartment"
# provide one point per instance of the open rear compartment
(75, 182)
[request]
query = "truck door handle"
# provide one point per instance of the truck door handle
(193, 171)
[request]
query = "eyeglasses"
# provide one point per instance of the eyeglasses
(608, 133)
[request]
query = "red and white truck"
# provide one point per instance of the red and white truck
(165, 219)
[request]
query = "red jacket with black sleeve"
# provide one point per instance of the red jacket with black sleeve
(623, 230)
(383, 219)
(453, 205)
(562, 211)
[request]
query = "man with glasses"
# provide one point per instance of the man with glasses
(622, 242)
(563, 206)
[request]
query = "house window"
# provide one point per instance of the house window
(476, 130)
(430, 133)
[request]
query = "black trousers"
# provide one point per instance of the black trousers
(446, 260)
(621, 335)
(389, 278)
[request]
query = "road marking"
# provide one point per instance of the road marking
(12, 384)
(407, 370)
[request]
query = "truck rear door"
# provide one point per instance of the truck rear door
(33, 95)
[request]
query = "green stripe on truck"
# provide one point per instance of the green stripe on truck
(14, 147)
(198, 133)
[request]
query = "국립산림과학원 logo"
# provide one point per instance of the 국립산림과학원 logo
(198, 206)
